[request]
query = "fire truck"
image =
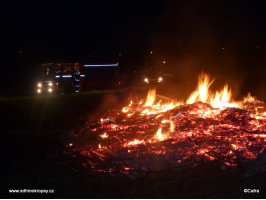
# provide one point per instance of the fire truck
(64, 77)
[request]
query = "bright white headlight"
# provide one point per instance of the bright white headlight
(50, 90)
(160, 79)
(39, 90)
(39, 85)
(50, 84)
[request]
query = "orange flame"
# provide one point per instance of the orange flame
(159, 136)
(202, 91)
(222, 99)
(249, 98)
(151, 96)
(218, 99)
(126, 109)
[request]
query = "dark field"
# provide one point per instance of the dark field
(36, 130)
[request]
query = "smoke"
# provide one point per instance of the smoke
(113, 100)
(215, 37)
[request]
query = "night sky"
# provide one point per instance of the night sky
(224, 38)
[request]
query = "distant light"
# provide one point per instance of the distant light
(39, 85)
(164, 62)
(50, 90)
(151, 52)
(146, 80)
(39, 90)
(160, 79)
(223, 48)
(104, 65)
(82, 75)
(50, 84)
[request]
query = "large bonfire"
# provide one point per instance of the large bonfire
(153, 135)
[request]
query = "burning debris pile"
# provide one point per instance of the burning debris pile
(152, 135)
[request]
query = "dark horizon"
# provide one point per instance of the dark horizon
(223, 38)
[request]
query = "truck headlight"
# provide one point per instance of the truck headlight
(39, 85)
(39, 90)
(50, 90)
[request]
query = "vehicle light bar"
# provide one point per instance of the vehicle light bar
(68, 76)
(104, 65)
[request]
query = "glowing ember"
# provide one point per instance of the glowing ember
(158, 135)
(134, 142)
(104, 135)
(172, 125)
